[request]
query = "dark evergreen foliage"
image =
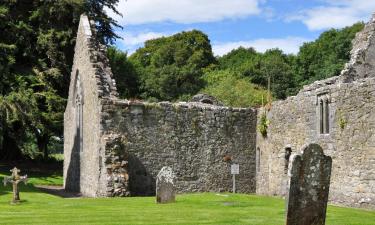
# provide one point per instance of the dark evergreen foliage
(36, 52)
(37, 41)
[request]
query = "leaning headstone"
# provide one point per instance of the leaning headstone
(307, 198)
(165, 186)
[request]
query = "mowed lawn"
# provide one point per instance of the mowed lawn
(202, 208)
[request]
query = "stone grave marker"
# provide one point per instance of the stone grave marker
(165, 185)
(14, 179)
(309, 181)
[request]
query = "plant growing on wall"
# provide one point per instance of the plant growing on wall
(341, 120)
(263, 124)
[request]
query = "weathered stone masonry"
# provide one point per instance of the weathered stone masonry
(90, 82)
(192, 138)
(350, 140)
(115, 147)
(125, 144)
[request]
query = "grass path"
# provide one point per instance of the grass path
(202, 208)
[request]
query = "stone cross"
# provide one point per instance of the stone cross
(309, 180)
(15, 178)
(165, 186)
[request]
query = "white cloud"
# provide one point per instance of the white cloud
(132, 41)
(288, 45)
(335, 14)
(184, 11)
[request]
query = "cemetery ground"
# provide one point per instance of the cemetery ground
(38, 207)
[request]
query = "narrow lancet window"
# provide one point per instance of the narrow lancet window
(79, 111)
(321, 115)
(326, 115)
(288, 153)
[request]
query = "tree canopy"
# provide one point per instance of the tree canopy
(171, 68)
(36, 53)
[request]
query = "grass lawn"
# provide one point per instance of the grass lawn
(203, 208)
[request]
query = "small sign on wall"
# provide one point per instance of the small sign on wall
(235, 169)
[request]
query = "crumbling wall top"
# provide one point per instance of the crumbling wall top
(98, 58)
(362, 60)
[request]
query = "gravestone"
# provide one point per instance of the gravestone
(165, 185)
(14, 179)
(307, 198)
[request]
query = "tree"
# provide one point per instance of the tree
(326, 56)
(233, 89)
(171, 68)
(258, 67)
(36, 54)
(127, 80)
(96, 10)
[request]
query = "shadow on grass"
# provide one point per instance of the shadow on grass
(39, 174)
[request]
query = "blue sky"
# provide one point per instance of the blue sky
(261, 24)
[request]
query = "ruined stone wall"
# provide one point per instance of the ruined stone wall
(192, 138)
(350, 143)
(351, 138)
(90, 82)
(116, 148)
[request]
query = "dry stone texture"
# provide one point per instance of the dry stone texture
(351, 138)
(115, 147)
(308, 187)
(192, 138)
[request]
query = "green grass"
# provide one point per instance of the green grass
(204, 208)
(41, 175)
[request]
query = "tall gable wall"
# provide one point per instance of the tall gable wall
(91, 81)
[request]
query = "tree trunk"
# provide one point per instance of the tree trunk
(42, 142)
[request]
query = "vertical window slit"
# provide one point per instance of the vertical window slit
(326, 114)
(321, 115)
(258, 159)
(288, 152)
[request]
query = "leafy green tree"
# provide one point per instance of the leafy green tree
(326, 56)
(171, 68)
(127, 80)
(272, 65)
(235, 59)
(276, 66)
(233, 89)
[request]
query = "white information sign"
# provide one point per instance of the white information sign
(235, 169)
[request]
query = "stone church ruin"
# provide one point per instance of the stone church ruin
(116, 147)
